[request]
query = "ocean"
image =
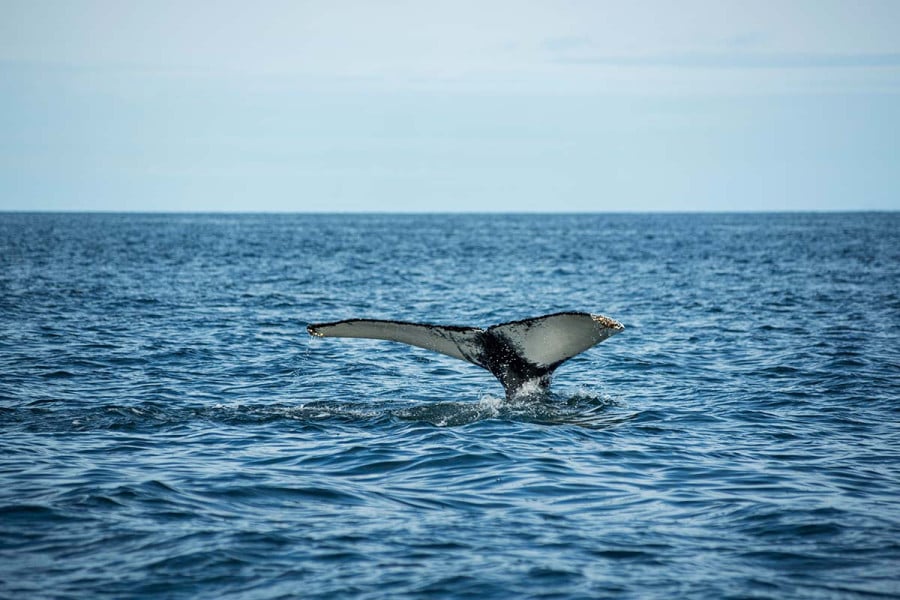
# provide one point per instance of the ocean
(169, 430)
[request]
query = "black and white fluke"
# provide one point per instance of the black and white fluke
(521, 354)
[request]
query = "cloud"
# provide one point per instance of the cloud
(741, 60)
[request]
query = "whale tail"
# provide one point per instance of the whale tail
(521, 354)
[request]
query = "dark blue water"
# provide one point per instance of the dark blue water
(168, 429)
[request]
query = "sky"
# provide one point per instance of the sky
(457, 106)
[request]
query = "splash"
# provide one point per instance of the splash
(451, 414)
(583, 409)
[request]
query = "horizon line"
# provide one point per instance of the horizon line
(446, 213)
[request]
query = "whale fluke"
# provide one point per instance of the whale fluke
(521, 354)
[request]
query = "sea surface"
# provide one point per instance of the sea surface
(169, 430)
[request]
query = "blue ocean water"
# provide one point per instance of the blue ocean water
(168, 429)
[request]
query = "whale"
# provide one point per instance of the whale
(522, 354)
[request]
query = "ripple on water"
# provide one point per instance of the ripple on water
(167, 429)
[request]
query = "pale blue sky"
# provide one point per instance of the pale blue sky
(449, 106)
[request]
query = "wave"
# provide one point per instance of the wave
(582, 408)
